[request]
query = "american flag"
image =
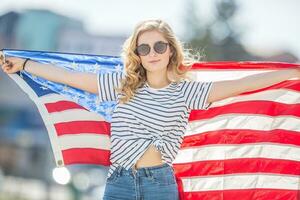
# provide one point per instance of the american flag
(244, 147)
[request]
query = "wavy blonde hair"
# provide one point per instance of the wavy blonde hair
(179, 64)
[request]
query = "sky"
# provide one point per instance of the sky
(266, 26)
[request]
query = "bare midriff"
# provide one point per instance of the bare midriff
(151, 157)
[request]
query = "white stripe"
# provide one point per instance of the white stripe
(243, 121)
(52, 98)
(74, 115)
(222, 152)
(234, 182)
(285, 96)
(84, 140)
(217, 75)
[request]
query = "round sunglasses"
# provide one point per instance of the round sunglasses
(159, 47)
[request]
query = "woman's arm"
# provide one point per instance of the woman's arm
(224, 89)
(84, 81)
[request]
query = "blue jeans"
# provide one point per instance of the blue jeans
(147, 183)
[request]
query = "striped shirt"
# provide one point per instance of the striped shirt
(153, 116)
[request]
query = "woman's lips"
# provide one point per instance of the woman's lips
(153, 61)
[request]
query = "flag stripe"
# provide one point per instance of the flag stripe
(74, 127)
(242, 136)
(229, 65)
(74, 115)
(284, 85)
(244, 121)
(52, 98)
(220, 152)
(84, 140)
(239, 165)
(278, 95)
(241, 181)
(246, 194)
(86, 156)
(257, 107)
(61, 106)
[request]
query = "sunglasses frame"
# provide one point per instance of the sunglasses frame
(149, 48)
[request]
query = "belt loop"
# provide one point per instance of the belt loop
(119, 169)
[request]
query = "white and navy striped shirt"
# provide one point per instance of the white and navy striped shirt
(152, 116)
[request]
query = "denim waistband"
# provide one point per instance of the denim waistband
(143, 171)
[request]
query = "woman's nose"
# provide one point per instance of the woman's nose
(152, 52)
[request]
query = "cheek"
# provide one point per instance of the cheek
(143, 62)
(166, 59)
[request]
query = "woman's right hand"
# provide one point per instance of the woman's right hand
(12, 64)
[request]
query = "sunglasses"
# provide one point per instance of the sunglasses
(159, 47)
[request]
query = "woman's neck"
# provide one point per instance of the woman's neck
(157, 81)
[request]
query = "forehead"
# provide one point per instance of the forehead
(150, 37)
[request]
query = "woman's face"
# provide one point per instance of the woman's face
(154, 61)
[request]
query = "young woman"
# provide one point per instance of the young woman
(154, 99)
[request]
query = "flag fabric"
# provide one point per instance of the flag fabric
(243, 147)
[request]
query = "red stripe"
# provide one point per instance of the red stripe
(61, 106)
(86, 156)
(75, 127)
(233, 166)
(245, 194)
(291, 85)
(242, 136)
(232, 65)
(268, 108)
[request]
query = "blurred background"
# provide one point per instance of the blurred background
(236, 30)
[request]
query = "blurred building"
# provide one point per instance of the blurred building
(78, 41)
(44, 30)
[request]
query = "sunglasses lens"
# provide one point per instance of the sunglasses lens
(160, 47)
(143, 49)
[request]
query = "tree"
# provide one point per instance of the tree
(218, 40)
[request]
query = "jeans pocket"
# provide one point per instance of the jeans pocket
(163, 179)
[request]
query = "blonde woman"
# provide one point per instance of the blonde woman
(154, 99)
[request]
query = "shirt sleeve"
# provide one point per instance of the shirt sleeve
(196, 94)
(107, 84)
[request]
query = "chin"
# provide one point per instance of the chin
(155, 70)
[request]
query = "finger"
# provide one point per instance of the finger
(3, 66)
(7, 66)
(2, 57)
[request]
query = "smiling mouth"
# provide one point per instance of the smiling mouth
(153, 61)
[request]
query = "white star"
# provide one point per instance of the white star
(97, 67)
(75, 97)
(74, 65)
(65, 88)
(53, 62)
(118, 68)
(44, 88)
(97, 100)
(109, 110)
